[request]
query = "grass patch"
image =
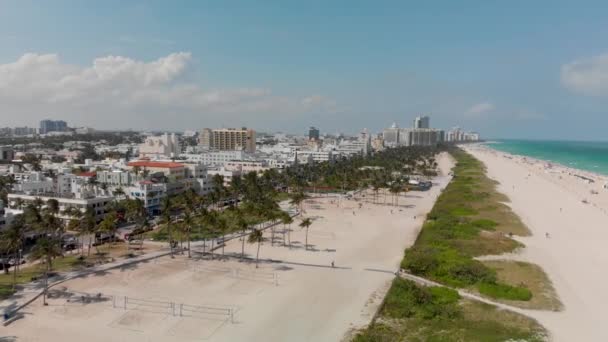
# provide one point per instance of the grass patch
(504, 291)
(464, 224)
(414, 313)
(61, 264)
(531, 277)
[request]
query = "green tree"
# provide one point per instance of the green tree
(306, 223)
(12, 242)
(46, 249)
(109, 225)
(256, 237)
(286, 219)
(166, 217)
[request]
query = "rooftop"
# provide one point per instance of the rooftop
(146, 163)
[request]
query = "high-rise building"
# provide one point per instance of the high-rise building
(228, 139)
(422, 122)
(425, 137)
(313, 133)
(47, 126)
(391, 135)
(20, 131)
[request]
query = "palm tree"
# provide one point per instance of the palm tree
(19, 203)
(297, 199)
(222, 228)
(108, 224)
(187, 228)
(118, 192)
(46, 249)
(305, 224)
(88, 225)
(219, 190)
(286, 219)
(12, 241)
(167, 206)
(242, 225)
(256, 237)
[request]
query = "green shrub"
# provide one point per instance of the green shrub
(463, 211)
(405, 299)
(485, 224)
(504, 291)
(420, 260)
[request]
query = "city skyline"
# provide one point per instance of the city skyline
(265, 66)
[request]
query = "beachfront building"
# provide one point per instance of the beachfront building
(97, 203)
(165, 146)
(151, 194)
(228, 139)
(456, 134)
(422, 122)
(425, 137)
(391, 135)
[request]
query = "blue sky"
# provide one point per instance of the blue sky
(520, 69)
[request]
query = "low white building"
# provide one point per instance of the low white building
(216, 157)
(96, 203)
(150, 193)
(309, 156)
(116, 178)
(165, 146)
(33, 183)
(7, 215)
(227, 174)
(246, 166)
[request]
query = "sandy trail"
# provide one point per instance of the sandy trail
(312, 302)
(574, 256)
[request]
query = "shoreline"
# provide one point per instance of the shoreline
(575, 181)
(567, 238)
(557, 165)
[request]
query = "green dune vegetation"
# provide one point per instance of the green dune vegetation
(414, 313)
(462, 226)
(470, 219)
(530, 276)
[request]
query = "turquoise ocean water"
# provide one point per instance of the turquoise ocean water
(584, 155)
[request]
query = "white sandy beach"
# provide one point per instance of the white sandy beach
(549, 199)
(312, 301)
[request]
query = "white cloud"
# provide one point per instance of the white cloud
(479, 109)
(120, 92)
(588, 76)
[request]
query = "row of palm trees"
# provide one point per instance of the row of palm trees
(187, 213)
